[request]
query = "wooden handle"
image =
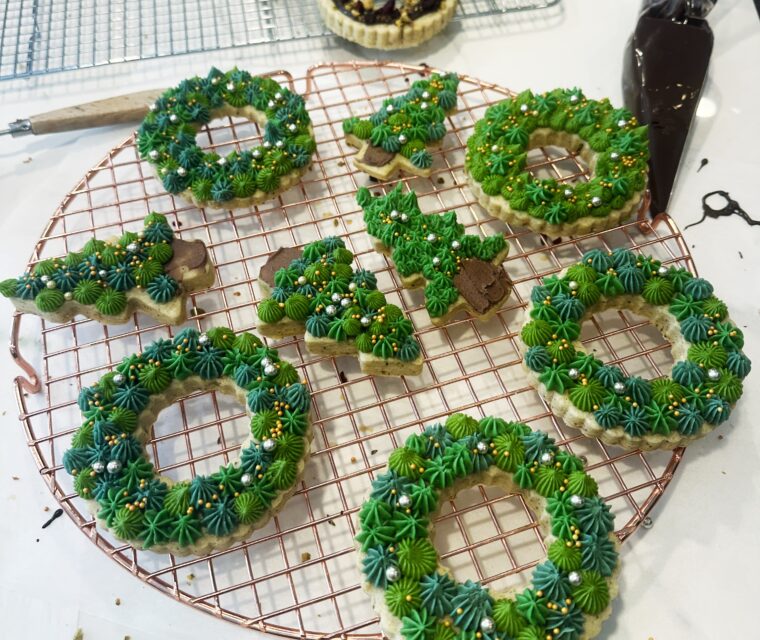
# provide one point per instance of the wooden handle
(131, 107)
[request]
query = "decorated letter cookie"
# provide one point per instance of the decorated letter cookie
(166, 139)
(415, 595)
(150, 271)
(599, 398)
(387, 24)
(611, 142)
(459, 271)
(113, 472)
(339, 310)
(400, 135)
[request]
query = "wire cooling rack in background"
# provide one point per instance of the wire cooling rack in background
(297, 577)
(44, 36)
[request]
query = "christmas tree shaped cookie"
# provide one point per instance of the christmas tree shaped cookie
(339, 310)
(400, 135)
(458, 271)
(150, 271)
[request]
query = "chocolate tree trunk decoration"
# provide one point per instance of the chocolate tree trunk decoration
(665, 65)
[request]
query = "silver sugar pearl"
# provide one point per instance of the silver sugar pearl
(270, 370)
(713, 374)
(301, 279)
(270, 104)
(331, 310)
(352, 286)
(133, 246)
(365, 321)
(221, 161)
(426, 94)
(98, 466)
(335, 297)
(431, 237)
(494, 148)
(394, 214)
(203, 339)
(118, 379)
(152, 106)
(482, 447)
(576, 500)
(265, 362)
(102, 273)
(436, 261)
(246, 479)
(622, 123)
(173, 117)
(663, 271)
(423, 105)
(292, 127)
(404, 501)
(181, 171)
(402, 139)
(256, 153)
(345, 302)
(572, 285)
(45, 279)
(404, 217)
(487, 625)
(50, 284)
(523, 107)
(614, 155)
(389, 108)
(278, 96)
(214, 80)
(619, 388)
(153, 154)
(267, 144)
(114, 466)
(455, 244)
(596, 201)
(546, 457)
(279, 144)
(268, 444)
(574, 578)
(574, 373)
(574, 98)
(230, 86)
(68, 296)
(392, 574)
(568, 192)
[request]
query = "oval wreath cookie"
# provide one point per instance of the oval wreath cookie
(166, 139)
(599, 399)
(113, 473)
(417, 599)
(609, 140)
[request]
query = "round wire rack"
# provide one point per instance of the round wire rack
(297, 577)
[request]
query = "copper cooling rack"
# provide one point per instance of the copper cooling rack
(297, 577)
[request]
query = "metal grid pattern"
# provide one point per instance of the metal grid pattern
(45, 36)
(297, 577)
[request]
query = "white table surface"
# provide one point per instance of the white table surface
(694, 574)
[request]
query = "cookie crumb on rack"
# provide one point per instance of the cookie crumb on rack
(305, 556)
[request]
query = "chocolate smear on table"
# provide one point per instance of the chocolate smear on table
(56, 514)
(188, 255)
(278, 260)
(482, 284)
(376, 156)
(730, 208)
(664, 68)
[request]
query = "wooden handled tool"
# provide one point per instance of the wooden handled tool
(131, 107)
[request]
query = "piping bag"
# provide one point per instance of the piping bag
(664, 68)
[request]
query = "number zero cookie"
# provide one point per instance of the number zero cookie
(598, 398)
(111, 469)
(167, 139)
(415, 595)
(151, 271)
(459, 271)
(610, 141)
(400, 135)
(339, 310)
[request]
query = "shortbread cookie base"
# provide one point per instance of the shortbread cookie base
(387, 36)
(499, 207)
(386, 171)
(460, 304)
(207, 543)
(173, 312)
(286, 181)
(562, 407)
(391, 625)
